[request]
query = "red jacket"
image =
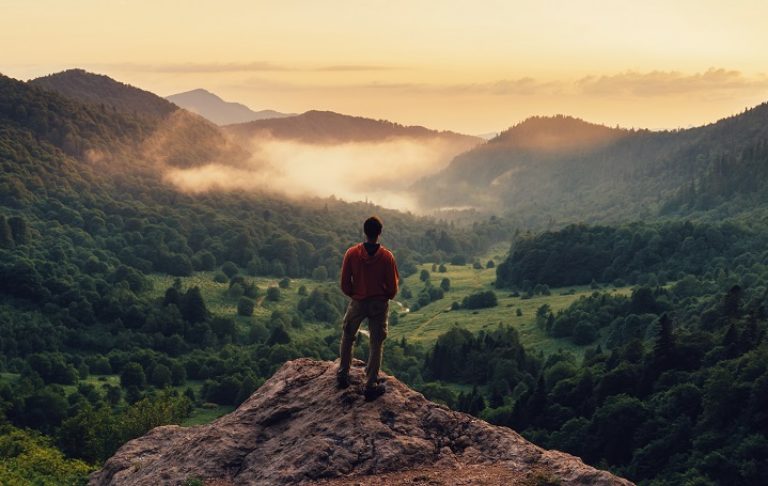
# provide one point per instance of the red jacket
(369, 277)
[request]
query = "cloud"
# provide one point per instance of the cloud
(505, 87)
(525, 86)
(355, 68)
(240, 67)
(669, 83)
(712, 82)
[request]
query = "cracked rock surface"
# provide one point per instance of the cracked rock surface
(298, 428)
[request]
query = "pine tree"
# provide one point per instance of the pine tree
(6, 234)
(19, 230)
(664, 344)
(193, 307)
(732, 302)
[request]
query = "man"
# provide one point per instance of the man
(369, 277)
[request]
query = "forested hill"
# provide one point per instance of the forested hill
(103, 90)
(327, 127)
(64, 123)
(163, 133)
(608, 174)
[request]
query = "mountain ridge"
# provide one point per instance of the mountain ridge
(213, 108)
(298, 428)
(603, 175)
(323, 127)
(101, 89)
(165, 135)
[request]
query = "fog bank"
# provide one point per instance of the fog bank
(378, 172)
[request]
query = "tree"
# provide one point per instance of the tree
(273, 294)
(424, 275)
(178, 374)
(279, 336)
(320, 273)
(445, 284)
(193, 308)
(479, 300)
(245, 306)
(230, 269)
(113, 394)
(664, 344)
(19, 230)
(6, 235)
(161, 376)
(133, 375)
(614, 426)
(247, 387)
(584, 333)
(732, 301)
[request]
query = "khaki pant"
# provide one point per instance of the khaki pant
(377, 313)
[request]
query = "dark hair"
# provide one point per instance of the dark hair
(372, 227)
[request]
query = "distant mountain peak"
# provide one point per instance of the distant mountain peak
(221, 112)
(299, 428)
(200, 92)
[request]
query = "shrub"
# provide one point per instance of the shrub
(245, 306)
(273, 294)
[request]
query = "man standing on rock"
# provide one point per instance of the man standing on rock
(369, 277)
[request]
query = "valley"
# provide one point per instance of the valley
(128, 301)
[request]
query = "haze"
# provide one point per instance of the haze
(377, 172)
(474, 67)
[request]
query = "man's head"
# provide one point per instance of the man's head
(372, 228)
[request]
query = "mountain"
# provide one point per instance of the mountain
(298, 428)
(565, 169)
(169, 135)
(220, 112)
(100, 89)
(327, 127)
(37, 121)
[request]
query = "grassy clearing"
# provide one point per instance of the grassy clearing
(219, 303)
(206, 414)
(428, 322)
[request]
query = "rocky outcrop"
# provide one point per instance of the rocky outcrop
(298, 428)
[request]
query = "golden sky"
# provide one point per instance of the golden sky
(472, 66)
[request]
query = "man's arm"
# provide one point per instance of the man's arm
(393, 279)
(346, 276)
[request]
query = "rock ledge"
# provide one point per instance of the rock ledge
(299, 429)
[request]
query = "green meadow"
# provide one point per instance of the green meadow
(219, 303)
(434, 319)
(423, 325)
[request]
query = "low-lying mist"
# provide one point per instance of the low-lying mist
(378, 172)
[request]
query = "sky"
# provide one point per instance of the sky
(469, 66)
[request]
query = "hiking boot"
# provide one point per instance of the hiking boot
(342, 379)
(372, 392)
